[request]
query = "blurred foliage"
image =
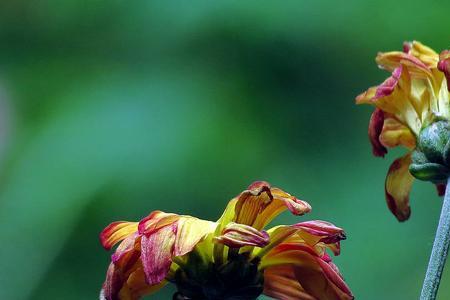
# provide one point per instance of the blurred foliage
(112, 109)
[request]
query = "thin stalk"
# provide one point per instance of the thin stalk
(439, 251)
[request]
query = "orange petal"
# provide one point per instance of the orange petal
(132, 287)
(398, 186)
(136, 287)
(116, 232)
(260, 204)
(280, 283)
(317, 275)
(252, 202)
(281, 201)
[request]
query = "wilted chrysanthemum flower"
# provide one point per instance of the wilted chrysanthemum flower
(233, 258)
(412, 109)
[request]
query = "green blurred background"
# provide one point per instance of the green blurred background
(112, 109)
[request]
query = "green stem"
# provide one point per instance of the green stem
(439, 251)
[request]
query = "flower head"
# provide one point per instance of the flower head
(412, 109)
(233, 258)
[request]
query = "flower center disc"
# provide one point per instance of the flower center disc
(237, 279)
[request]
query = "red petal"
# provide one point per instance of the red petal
(375, 129)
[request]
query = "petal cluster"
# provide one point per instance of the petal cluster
(415, 95)
(198, 256)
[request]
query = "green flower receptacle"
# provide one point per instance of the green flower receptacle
(431, 159)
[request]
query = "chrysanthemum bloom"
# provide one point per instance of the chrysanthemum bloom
(233, 258)
(411, 110)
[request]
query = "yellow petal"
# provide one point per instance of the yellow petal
(394, 59)
(424, 53)
(395, 133)
(367, 96)
(190, 232)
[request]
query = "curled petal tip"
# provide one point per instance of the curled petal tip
(258, 185)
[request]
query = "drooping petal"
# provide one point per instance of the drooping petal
(156, 254)
(283, 200)
(398, 186)
(324, 232)
(237, 235)
(375, 129)
(281, 283)
(317, 275)
(116, 232)
(319, 235)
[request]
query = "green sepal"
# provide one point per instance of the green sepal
(429, 172)
(417, 157)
